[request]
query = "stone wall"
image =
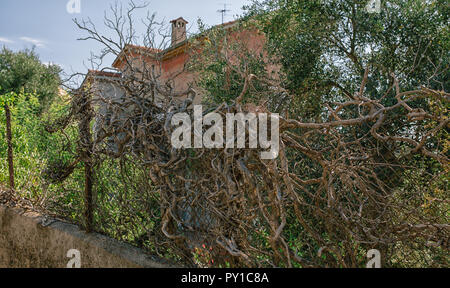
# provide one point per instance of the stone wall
(28, 240)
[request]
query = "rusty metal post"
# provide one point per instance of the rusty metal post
(10, 148)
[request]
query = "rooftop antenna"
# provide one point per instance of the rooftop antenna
(223, 11)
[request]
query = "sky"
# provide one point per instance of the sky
(48, 26)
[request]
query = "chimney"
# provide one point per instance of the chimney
(178, 30)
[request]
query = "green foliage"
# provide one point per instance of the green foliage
(22, 72)
(324, 46)
(33, 146)
(7, 99)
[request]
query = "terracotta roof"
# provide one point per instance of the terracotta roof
(226, 24)
(151, 50)
(103, 73)
(137, 48)
(179, 18)
(98, 73)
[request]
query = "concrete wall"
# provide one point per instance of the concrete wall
(27, 240)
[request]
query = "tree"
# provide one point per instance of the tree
(324, 46)
(23, 72)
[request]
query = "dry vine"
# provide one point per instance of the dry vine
(246, 207)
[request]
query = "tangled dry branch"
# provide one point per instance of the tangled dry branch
(233, 200)
(330, 196)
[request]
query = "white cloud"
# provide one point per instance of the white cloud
(6, 40)
(34, 41)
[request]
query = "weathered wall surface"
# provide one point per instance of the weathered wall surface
(26, 242)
